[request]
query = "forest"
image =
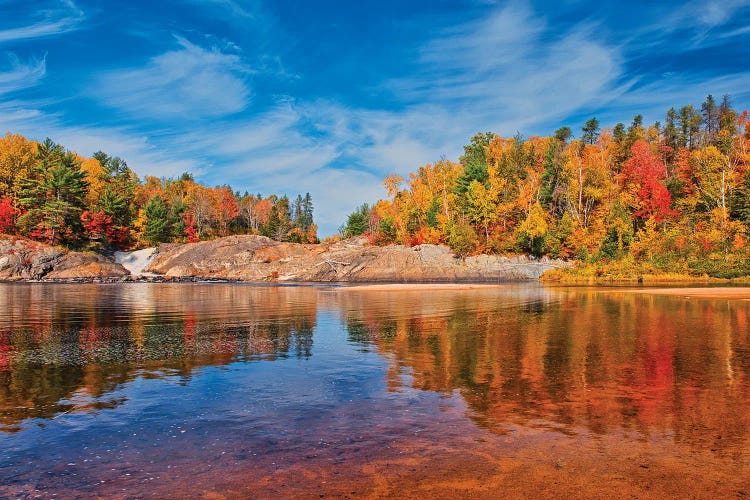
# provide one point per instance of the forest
(672, 197)
(58, 197)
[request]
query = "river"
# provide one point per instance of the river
(188, 390)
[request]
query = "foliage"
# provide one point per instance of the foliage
(52, 196)
(8, 214)
(660, 199)
(57, 196)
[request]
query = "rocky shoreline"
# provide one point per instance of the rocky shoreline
(256, 259)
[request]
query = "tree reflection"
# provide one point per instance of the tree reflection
(573, 361)
(68, 348)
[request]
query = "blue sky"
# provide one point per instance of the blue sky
(330, 96)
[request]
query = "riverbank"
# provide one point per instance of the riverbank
(633, 276)
(257, 259)
(731, 293)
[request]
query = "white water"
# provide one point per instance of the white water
(137, 261)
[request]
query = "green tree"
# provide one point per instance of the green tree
(358, 222)
(158, 228)
(590, 131)
(53, 196)
(690, 125)
(563, 134)
(710, 113)
(474, 161)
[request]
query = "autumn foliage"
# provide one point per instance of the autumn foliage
(57, 196)
(673, 196)
(8, 214)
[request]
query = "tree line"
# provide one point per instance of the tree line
(56, 196)
(672, 196)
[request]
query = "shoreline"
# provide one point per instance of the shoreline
(718, 289)
(711, 292)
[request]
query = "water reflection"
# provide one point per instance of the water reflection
(219, 388)
(64, 348)
(573, 359)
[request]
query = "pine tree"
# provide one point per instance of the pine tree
(53, 196)
(157, 221)
(590, 131)
(474, 161)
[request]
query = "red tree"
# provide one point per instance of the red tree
(190, 231)
(646, 171)
(99, 227)
(8, 215)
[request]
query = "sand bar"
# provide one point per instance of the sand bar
(407, 287)
(735, 293)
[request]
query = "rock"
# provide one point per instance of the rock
(256, 258)
(22, 259)
(85, 265)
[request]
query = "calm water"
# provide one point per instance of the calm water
(141, 390)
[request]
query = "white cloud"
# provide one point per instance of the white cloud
(507, 71)
(21, 75)
(141, 152)
(62, 17)
(189, 83)
(233, 7)
(710, 13)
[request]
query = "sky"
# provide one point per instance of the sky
(329, 97)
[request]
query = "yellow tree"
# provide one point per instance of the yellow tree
(715, 176)
(588, 180)
(17, 159)
(533, 229)
(96, 177)
(481, 206)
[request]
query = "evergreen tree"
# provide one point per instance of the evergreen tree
(307, 213)
(474, 161)
(590, 131)
(670, 133)
(563, 134)
(710, 114)
(53, 196)
(618, 133)
(357, 222)
(690, 123)
(157, 221)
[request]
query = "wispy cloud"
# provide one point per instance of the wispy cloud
(146, 155)
(709, 13)
(246, 10)
(20, 75)
(60, 17)
(191, 82)
(509, 68)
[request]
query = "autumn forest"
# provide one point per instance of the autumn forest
(58, 197)
(672, 197)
